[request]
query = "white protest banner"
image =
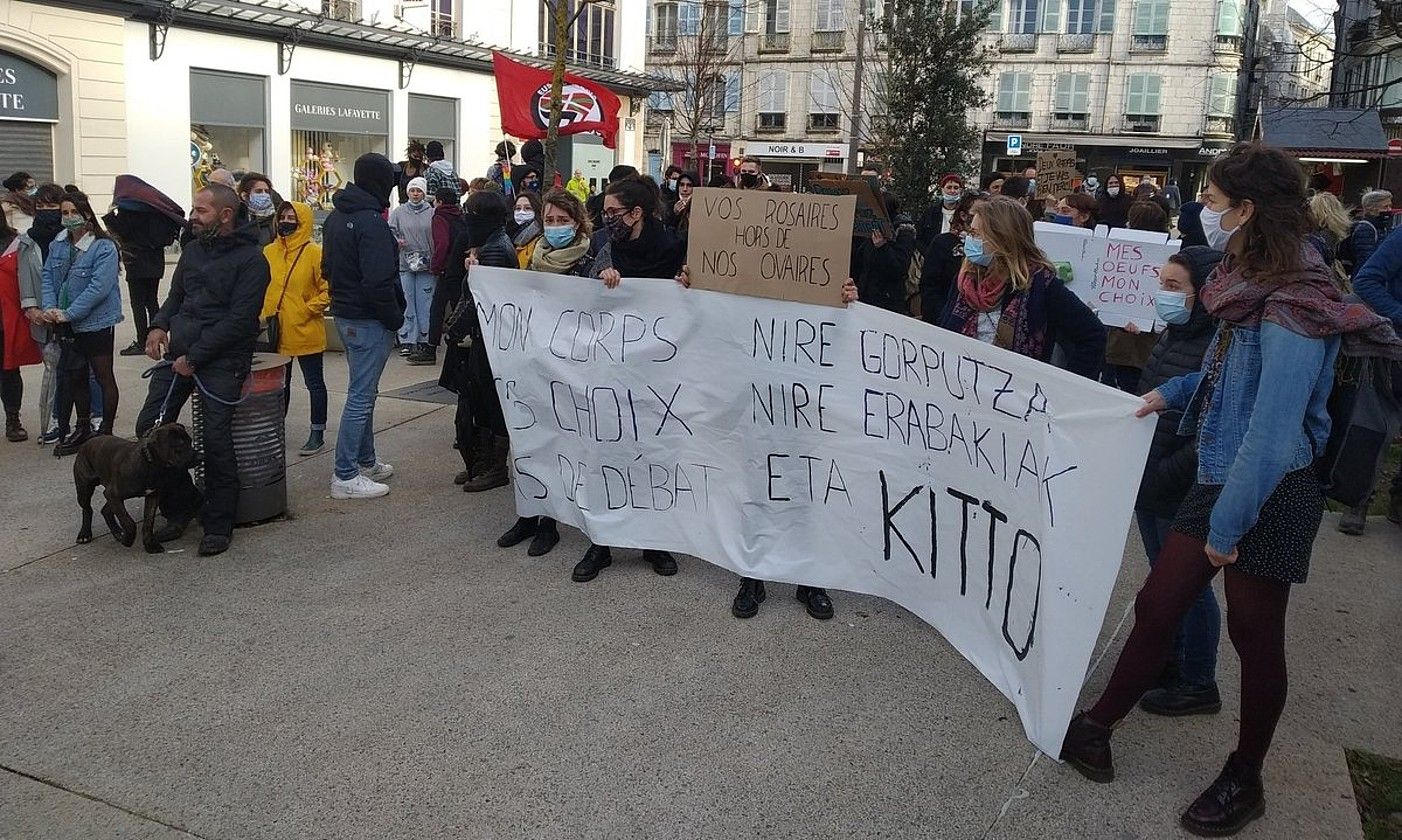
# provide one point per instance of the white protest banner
(848, 448)
(1116, 272)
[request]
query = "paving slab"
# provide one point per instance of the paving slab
(382, 670)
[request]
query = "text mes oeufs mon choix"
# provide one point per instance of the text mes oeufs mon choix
(766, 225)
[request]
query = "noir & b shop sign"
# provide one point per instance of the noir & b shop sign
(27, 91)
(344, 110)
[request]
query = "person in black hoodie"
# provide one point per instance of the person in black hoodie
(1189, 684)
(1115, 202)
(880, 265)
(360, 260)
(481, 428)
(636, 245)
(595, 204)
(206, 331)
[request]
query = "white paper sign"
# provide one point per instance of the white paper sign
(848, 448)
(1116, 272)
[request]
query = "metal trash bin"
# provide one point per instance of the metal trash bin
(260, 441)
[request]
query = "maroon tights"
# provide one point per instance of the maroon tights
(1255, 621)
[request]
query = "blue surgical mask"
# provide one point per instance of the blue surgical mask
(1059, 219)
(950, 200)
(1172, 307)
(559, 236)
(1217, 238)
(973, 251)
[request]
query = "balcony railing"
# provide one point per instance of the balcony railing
(442, 24)
(347, 10)
(829, 41)
(1220, 126)
(662, 44)
(547, 50)
(1148, 43)
(774, 42)
(1018, 42)
(1070, 122)
(1229, 44)
(772, 123)
(1079, 42)
(824, 123)
(1142, 123)
(1012, 119)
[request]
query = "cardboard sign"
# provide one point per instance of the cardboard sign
(855, 448)
(1056, 173)
(1116, 272)
(787, 246)
(871, 211)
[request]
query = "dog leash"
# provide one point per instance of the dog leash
(165, 363)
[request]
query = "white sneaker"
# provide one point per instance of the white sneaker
(379, 472)
(359, 487)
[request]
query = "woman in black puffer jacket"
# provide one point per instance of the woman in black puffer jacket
(1189, 684)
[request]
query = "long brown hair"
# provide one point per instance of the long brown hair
(1007, 230)
(564, 200)
(1268, 246)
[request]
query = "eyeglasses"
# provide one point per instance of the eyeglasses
(616, 212)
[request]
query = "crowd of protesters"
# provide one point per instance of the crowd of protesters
(1251, 311)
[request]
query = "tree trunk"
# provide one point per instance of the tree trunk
(557, 86)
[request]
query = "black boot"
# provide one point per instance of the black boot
(547, 536)
(494, 473)
(815, 599)
(14, 430)
(212, 544)
(1087, 748)
(1182, 699)
(523, 530)
(662, 562)
(82, 433)
(749, 598)
(596, 558)
(1234, 800)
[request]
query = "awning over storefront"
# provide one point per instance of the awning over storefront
(1326, 134)
(291, 25)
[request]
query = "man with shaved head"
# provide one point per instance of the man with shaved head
(206, 332)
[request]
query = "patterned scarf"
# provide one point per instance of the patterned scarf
(981, 289)
(1022, 325)
(1305, 302)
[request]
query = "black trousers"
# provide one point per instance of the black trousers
(445, 296)
(144, 303)
(179, 499)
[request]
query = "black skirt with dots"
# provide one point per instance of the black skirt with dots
(1278, 546)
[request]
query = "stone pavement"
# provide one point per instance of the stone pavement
(382, 670)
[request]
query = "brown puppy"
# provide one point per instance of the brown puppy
(127, 469)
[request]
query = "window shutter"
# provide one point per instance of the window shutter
(1061, 100)
(736, 24)
(754, 16)
(995, 20)
(1106, 18)
(1080, 94)
(1051, 15)
(781, 16)
(732, 92)
(1024, 92)
(1007, 86)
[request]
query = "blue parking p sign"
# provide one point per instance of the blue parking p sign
(1014, 145)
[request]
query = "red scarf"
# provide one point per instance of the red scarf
(981, 289)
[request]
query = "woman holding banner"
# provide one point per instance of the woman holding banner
(563, 249)
(1259, 406)
(1008, 294)
(638, 245)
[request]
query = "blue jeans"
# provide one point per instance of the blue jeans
(1195, 646)
(367, 346)
(418, 303)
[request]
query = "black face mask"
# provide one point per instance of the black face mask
(285, 229)
(748, 179)
(48, 218)
(479, 229)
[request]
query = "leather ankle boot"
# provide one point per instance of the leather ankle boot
(494, 472)
(523, 530)
(1087, 748)
(747, 601)
(1235, 799)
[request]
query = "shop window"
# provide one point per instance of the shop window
(228, 115)
(332, 125)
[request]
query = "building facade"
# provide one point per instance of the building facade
(296, 90)
(1296, 59)
(1368, 59)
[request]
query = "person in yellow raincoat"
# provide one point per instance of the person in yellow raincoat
(578, 187)
(298, 294)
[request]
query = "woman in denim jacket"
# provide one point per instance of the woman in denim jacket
(84, 303)
(1258, 406)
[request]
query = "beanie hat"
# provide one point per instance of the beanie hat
(417, 184)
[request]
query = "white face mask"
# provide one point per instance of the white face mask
(523, 217)
(1217, 237)
(1112, 191)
